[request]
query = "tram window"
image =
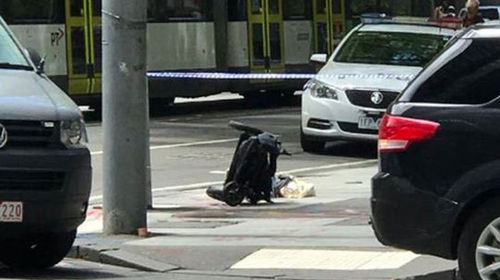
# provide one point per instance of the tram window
(96, 8)
(336, 7)
(392, 7)
(179, 10)
(396, 7)
(322, 37)
(385, 6)
(76, 8)
(423, 8)
(297, 9)
(237, 10)
(258, 44)
(275, 30)
(274, 7)
(321, 7)
(78, 50)
(98, 48)
(490, 2)
(359, 7)
(32, 11)
(256, 7)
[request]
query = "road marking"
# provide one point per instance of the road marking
(356, 164)
(276, 117)
(218, 172)
(192, 144)
(171, 188)
(85, 109)
(325, 260)
(219, 97)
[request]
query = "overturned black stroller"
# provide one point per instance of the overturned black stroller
(252, 169)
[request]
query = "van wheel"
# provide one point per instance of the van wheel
(36, 253)
(479, 245)
(310, 146)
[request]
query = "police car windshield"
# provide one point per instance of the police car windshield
(10, 55)
(391, 48)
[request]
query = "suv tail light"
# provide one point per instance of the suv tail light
(398, 133)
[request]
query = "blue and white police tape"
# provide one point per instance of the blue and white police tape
(229, 76)
(274, 76)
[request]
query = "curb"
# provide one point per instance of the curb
(117, 257)
(444, 275)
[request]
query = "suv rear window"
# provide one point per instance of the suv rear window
(472, 77)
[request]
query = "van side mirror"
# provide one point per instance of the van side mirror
(37, 60)
(319, 58)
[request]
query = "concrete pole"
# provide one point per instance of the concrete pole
(125, 120)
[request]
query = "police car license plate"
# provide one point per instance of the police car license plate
(372, 123)
(11, 212)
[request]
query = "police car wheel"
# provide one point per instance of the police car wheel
(311, 146)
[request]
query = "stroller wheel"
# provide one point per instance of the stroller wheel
(232, 194)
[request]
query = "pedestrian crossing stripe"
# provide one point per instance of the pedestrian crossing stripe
(325, 260)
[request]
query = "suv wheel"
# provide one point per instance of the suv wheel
(311, 146)
(479, 245)
(37, 253)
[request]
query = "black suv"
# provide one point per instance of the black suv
(438, 189)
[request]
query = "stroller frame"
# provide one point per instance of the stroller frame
(252, 168)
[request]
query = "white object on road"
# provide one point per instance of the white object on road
(295, 188)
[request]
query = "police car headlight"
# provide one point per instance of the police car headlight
(73, 133)
(325, 92)
(319, 90)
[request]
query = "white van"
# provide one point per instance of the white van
(45, 170)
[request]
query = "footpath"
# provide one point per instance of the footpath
(322, 237)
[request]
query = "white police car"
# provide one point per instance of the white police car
(370, 67)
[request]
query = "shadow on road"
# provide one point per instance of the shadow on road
(60, 273)
(352, 149)
(445, 275)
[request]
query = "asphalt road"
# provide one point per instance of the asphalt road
(79, 269)
(192, 143)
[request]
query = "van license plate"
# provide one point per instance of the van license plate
(11, 212)
(369, 123)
